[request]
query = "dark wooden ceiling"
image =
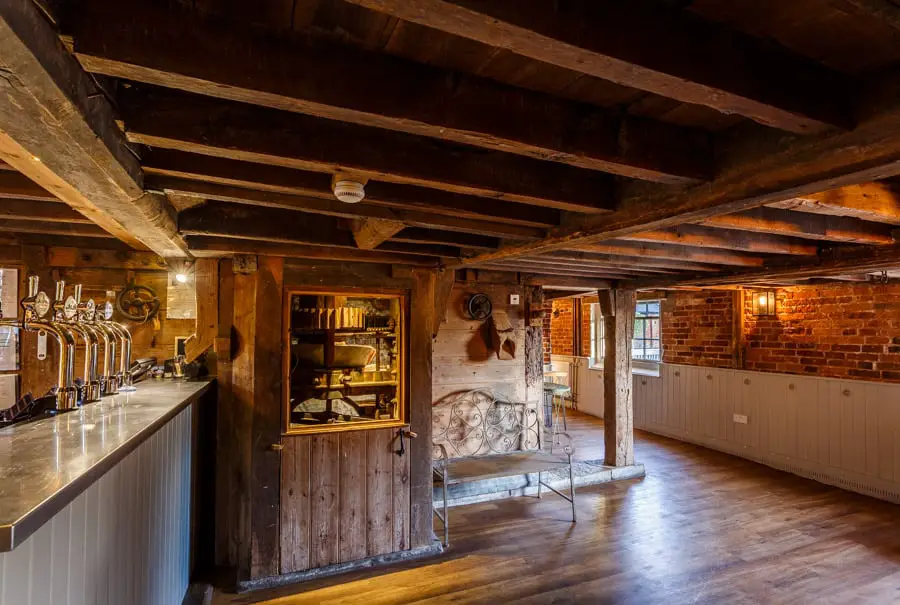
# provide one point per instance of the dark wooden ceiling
(726, 140)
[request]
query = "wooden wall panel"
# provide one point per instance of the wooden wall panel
(840, 432)
(126, 539)
(345, 496)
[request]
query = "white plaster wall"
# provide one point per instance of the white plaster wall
(840, 432)
(124, 541)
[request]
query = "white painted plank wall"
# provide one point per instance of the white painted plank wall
(124, 541)
(840, 432)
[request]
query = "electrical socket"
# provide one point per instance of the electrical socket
(741, 418)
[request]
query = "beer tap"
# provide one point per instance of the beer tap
(90, 390)
(124, 336)
(35, 306)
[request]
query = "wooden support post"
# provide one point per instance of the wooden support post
(421, 329)
(737, 329)
(618, 307)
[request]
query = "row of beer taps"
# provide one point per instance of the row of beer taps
(69, 320)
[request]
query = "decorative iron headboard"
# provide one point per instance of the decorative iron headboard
(479, 422)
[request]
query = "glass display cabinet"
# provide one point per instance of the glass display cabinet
(345, 360)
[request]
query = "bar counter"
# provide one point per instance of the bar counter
(46, 464)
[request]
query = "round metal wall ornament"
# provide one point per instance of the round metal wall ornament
(70, 308)
(41, 304)
(479, 306)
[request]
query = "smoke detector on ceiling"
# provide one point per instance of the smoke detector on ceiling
(350, 192)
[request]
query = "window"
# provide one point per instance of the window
(646, 343)
(645, 346)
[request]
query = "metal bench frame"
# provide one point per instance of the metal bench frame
(480, 426)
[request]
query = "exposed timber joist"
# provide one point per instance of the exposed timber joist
(57, 212)
(755, 171)
(217, 246)
(57, 128)
(549, 262)
(198, 124)
(614, 260)
(878, 202)
(238, 221)
(650, 45)
(528, 269)
(886, 11)
(642, 251)
(52, 228)
(415, 235)
(805, 225)
(221, 171)
(15, 185)
(145, 42)
(333, 207)
(564, 282)
(726, 239)
(834, 261)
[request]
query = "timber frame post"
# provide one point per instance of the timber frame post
(618, 308)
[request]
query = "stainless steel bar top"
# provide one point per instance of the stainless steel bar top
(46, 464)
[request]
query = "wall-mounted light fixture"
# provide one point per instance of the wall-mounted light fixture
(763, 302)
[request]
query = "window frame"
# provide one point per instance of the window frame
(597, 330)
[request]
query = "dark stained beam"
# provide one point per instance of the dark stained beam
(52, 228)
(756, 169)
(553, 262)
(145, 42)
(450, 238)
(57, 212)
(220, 246)
(878, 202)
(650, 45)
(220, 219)
(223, 171)
(834, 261)
(564, 282)
(647, 250)
(726, 239)
(624, 262)
(537, 269)
(57, 128)
(198, 124)
(71, 241)
(805, 225)
(333, 207)
(14, 184)
(886, 11)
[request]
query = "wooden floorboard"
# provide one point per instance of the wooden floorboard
(701, 528)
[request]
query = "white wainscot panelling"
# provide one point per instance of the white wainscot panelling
(124, 541)
(839, 432)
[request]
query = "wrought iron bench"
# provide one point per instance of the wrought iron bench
(478, 435)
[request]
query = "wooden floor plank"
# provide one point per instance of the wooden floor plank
(702, 527)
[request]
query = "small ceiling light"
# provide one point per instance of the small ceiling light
(181, 278)
(763, 303)
(350, 192)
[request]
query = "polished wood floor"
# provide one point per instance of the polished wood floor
(701, 528)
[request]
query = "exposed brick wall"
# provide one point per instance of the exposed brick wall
(548, 328)
(697, 328)
(838, 331)
(561, 326)
(586, 303)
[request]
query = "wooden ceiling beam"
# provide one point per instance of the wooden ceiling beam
(220, 246)
(550, 261)
(726, 239)
(834, 261)
(15, 185)
(187, 122)
(248, 175)
(333, 207)
(564, 282)
(805, 225)
(878, 202)
(56, 212)
(52, 228)
(57, 128)
(624, 262)
(654, 46)
(538, 269)
(237, 221)
(756, 168)
(450, 238)
(146, 42)
(649, 250)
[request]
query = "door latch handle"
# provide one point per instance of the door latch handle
(404, 433)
